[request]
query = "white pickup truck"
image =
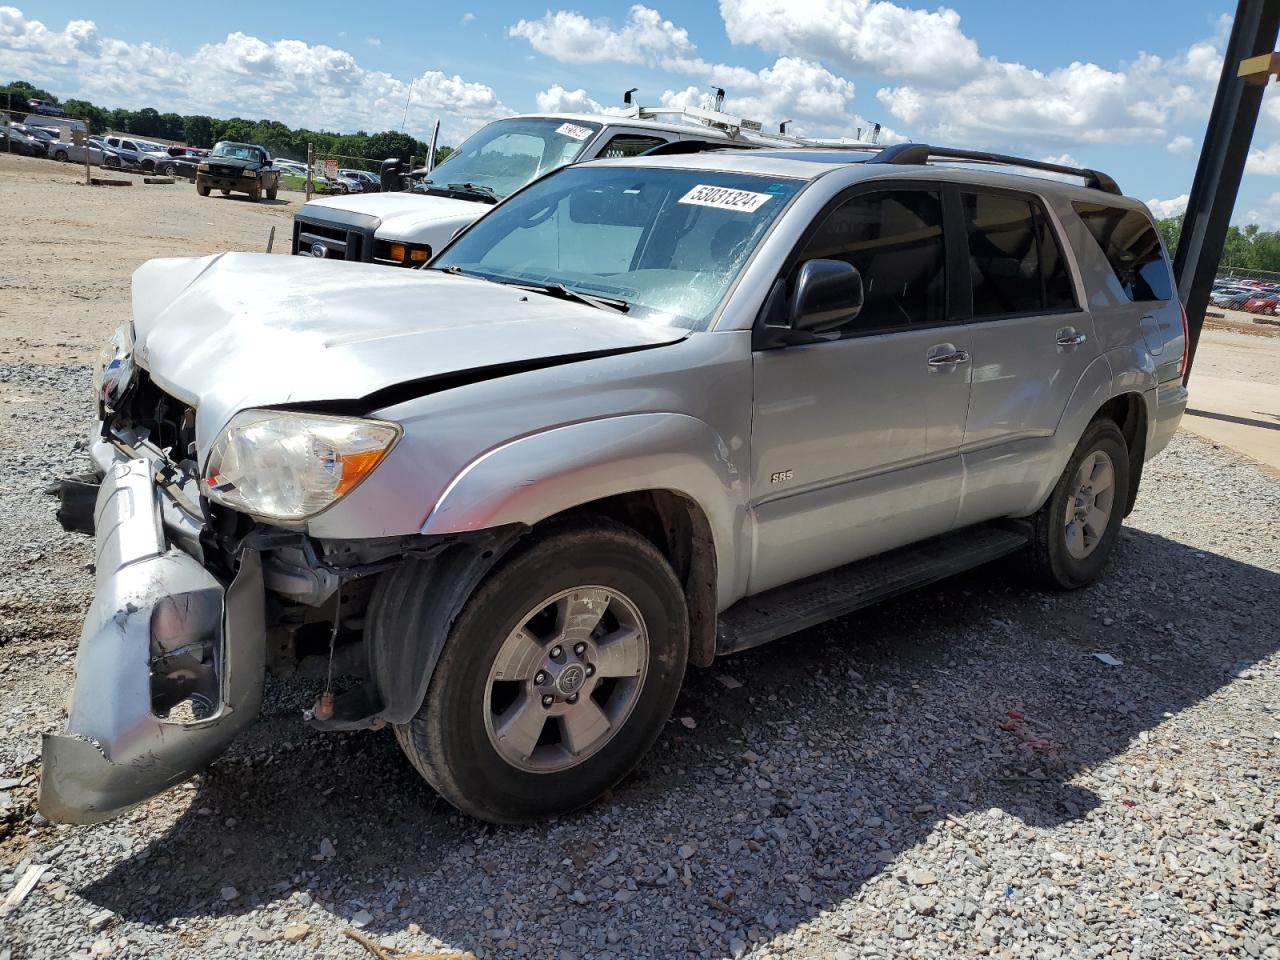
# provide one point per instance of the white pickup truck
(404, 228)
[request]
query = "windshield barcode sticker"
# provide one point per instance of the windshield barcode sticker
(705, 195)
(573, 130)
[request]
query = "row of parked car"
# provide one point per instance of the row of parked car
(133, 153)
(1253, 296)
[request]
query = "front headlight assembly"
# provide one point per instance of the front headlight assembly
(113, 373)
(278, 465)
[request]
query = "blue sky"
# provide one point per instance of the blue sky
(1123, 86)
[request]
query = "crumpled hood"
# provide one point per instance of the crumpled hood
(239, 330)
(413, 217)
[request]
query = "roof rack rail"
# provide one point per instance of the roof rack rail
(677, 147)
(922, 153)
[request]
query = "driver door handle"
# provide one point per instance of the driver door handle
(949, 359)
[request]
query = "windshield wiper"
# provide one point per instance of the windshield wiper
(574, 296)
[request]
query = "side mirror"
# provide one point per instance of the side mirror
(827, 294)
(389, 170)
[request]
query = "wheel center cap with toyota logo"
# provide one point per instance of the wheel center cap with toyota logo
(319, 250)
(571, 679)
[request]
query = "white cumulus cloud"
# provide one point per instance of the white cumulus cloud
(1162, 209)
(301, 84)
(570, 37)
(1180, 144)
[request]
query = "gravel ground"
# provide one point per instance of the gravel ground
(895, 784)
(952, 774)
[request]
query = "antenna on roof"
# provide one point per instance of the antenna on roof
(719, 99)
(782, 127)
(626, 96)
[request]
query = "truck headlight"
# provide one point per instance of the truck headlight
(278, 465)
(113, 373)
(251, 173)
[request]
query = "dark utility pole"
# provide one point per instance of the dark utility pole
(1223, 155)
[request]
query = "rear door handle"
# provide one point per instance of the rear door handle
(949, 359)
(1070, 338)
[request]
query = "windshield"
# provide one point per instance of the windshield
(237, 151)
(667, 242)
(507, 154)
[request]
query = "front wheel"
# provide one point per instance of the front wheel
(1077, 528)
(61, 156)
(272, 190)
(556, 678)
(202, 188)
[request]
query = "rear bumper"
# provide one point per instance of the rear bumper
(1166, 404)
(170, 667)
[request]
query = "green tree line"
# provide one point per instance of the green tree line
(1245, 248)
(198, 130)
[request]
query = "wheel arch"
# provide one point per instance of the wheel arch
(668, 466)
(1101, 392)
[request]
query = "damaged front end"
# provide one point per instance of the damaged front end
(171, 661)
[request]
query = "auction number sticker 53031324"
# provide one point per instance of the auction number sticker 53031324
(726, 198)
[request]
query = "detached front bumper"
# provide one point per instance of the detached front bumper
(170, 667)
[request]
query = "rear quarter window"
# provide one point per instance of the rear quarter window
(1131, 244)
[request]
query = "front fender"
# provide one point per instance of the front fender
(529, 479)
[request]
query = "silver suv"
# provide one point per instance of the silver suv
(647, 412)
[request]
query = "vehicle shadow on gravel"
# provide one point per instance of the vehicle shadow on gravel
(763, 804)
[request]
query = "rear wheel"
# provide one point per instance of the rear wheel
(1076, 529)
(556, 678)
(61, 156)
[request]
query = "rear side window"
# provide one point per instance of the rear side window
(1015, 263)
(1131, 245)
(630, 145)
(895, 241)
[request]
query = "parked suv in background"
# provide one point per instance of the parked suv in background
(647, 412)
(129, 152)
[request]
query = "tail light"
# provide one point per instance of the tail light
(1186, 343)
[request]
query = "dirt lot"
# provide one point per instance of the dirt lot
(953, 774)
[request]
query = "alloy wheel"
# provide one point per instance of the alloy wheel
(566, 679)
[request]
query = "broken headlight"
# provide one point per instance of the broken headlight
(114, 371)
(278, 465)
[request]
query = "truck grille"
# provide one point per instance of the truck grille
(335, 240)
(220, 171)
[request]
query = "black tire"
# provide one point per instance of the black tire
(61, 156)
(1051, 562)
(225, 192)
(148, 166)
(110, 160)
(202, 188)
(165, 169)
(447, 741)
(271, 191)
(256, 193)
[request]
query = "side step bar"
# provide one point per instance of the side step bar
(796, 606)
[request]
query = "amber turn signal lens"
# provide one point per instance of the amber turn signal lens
(420, 256)
(398, 252)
